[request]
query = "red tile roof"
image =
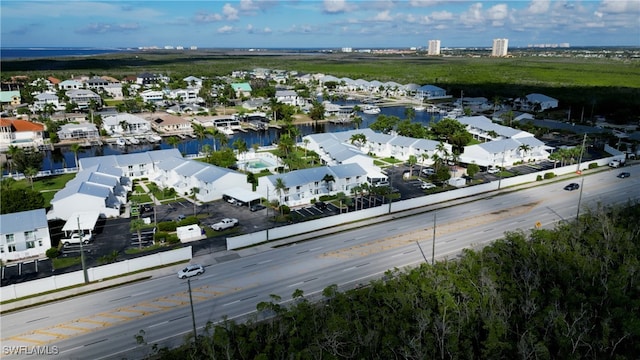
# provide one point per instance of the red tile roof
(53, 80)
(21, 125)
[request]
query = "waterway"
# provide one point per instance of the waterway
(63, 157)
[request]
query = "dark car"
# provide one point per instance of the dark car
(623, 175)
(257, 207)
(146, 207)
(321, 205)
(572, 186)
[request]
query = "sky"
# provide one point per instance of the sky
(358, 24)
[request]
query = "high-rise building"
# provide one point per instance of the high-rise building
(434, 47)
(500, 47)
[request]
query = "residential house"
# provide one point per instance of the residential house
(241, 89)
(152, 95)
(70, 85)
(211, 181)
(185, 95)
(431, 92)
(193, 82)
(10, 98)
(41, 100)
(20, 133)
(302, 186)
(24, 235)
(78, 131)
(132, 166)
(83, 98)
(124, 123)
(148, 78)
(483, 129)
(169, 124)
(97, 83)
(536, 102)
(289, 97)
(99, 188)
(505, 152)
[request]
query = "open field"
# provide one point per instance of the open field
(612, 86)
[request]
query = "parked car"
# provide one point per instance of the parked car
(616, 163)
(572, 186)
(624, 174)
(191, 270)
(493, 170)
(428, 171)
(224, 224)
(77, 239)
(257, 207)
(321, 205)
(427, 185)
(146, 207)
(181, 217)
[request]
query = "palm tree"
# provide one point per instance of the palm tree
(30, 173)
(355, 191)
(328, 178)
(241, 146)
(413, 160)
(359, 139)
(524, 149)
(12, 151)
(410, 113)
(194, 192)
(137, 225)
(173, 141)
(357, 120)
(75, 148)
(280, 187)
(206, 149)
(200, 132)
(423, 157)
(222, 138)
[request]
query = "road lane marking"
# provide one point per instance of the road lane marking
(24, 339)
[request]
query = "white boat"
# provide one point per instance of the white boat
(133, 141)
(121, 142)
(153, 138)
(371, 109)
(419, 108)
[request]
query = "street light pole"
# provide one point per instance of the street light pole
(84, 266)
(579, 172)
(433, 246)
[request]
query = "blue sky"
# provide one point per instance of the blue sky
(317, 24)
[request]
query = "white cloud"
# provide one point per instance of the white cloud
(441, 15)
(335, 6)
(473, 16)
(248, 5)
(620, 6)
(498, 12)
(538, 6)
(230, 12)
(383, 16)
(206, 18)
(424, 3)
(225, 29)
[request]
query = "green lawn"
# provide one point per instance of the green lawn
(47, 186)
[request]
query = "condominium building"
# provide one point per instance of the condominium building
(500, 47)
(434, 47)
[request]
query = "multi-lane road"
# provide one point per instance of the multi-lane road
(103, 325)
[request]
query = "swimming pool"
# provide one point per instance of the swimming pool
(257, 164)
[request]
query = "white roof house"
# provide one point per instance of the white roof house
(483, 129)
(211, 181)
(70, 84)
(289, 97)
(78, 131)
(132, 124)
(24, 235)
(83, 97)
(41, 100)
(536, 102)
(505, 152)
(307, 184)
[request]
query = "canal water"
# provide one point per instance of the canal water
(63, 157)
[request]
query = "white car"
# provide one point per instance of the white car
(427, 186)
(225, 223)
(428, 171)
(191, 270)
(77, 239)
(493, 170)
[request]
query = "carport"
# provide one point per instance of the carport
(81, 221)
(245, 197)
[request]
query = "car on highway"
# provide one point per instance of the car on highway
(572, 186)
(257, 207)
(77, 239)
(191, 270)
(624, 174)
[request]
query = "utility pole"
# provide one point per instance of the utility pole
(84, 266)
(433, 246)
(268, 213)
(193, 316)
(579, 172)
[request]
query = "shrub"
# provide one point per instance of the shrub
(593, 165)
(52, 253)
(167, 226)
(539, 178)
(173, 239)
(189, 220)
(285, 209)
(160, 236)
(549, 175)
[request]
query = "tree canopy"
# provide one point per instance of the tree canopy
(567, 293)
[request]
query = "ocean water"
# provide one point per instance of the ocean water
(44, 52)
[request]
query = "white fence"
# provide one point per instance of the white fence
(102, 272)
(403, 205)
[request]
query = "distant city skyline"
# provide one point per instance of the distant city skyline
(355, 24)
